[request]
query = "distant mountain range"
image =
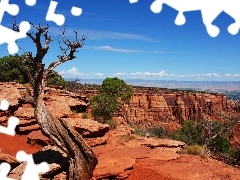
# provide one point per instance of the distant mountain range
(172, 84)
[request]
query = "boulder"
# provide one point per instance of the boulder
(39, 138)
(116, 163)
(113, 167)
(154, 143)
(92, 142)
(25, 113)
(88, 127)
(28, 128)
(58, 109)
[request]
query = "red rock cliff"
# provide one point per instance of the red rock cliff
(165, 106)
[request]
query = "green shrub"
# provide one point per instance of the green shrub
(103, 105)
(56, 80)
(112, 123)
(113, 93)
(219, 145)
(11, 69)
(74, 111)
(158, 132)
(190, 133)
(140, 132)
(85, 116)
(126, 138)
(193, 150)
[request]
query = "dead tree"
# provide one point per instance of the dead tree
(82, 159)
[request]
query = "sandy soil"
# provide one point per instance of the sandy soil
(12, 144)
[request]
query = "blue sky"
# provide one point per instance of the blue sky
(130, 41)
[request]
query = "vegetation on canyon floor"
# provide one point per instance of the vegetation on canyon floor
(205, 138)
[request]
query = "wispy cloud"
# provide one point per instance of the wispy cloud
(112, 49)
(100, 35)
(196, 75)
(98, 74)
(231, 75)
(119, 74)
(142, 74)
(72, 72)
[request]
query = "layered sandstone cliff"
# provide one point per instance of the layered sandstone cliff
(155, 106)
(165, 106)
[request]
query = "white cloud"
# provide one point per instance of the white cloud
(119, 74)
(112, 49)
(231, 75)
(100, 35)
(73, 72)
(98, 74)
(144, 74)
(211, 75)
(196, 75)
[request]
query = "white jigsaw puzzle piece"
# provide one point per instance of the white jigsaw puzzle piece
(10, 130)
(30, 2)
(59, 19)
(133, 1)
(32, 170)
(4, 105)
(12, 121)
(10, 36)
(76, 11)
(210, 10)
(12, 9)
(4, 170)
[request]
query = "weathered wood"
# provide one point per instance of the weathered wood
(82, 160)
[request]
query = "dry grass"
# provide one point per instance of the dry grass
(193, 150)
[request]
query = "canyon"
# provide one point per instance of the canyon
(151, 107)
(121, 153)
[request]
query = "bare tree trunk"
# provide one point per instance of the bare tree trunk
(82, 159)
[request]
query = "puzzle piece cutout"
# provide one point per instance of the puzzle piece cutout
(30, 2)
(209, 10)
(32, 170)
(12, 121)
(10, 130)
(4, 105)
(10, 36)
(59, 19)
(4, 170)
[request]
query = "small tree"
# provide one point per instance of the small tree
(56, 80)
(190, 133)
(113, 94)
(11, 69)
(82, 159)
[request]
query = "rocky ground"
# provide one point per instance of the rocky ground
(121, 153)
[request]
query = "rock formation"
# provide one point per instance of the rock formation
(152, 108)
(121, 153)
